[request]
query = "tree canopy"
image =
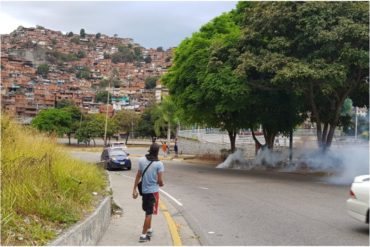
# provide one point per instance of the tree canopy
(151, 82)
(43, 69)
(271, 63)
(202, 81)
(316, 50)
(82, 33)
(53, 120)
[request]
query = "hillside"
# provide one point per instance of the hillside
(40, 67)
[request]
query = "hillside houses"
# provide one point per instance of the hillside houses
(77, 68)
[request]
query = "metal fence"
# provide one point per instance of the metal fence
(214, 135)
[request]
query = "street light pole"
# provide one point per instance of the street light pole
(356, 122)
(106, 118)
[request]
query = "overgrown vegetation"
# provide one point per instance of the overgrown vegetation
(43, 190)
(127, 54)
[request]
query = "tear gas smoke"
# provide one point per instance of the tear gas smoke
(341, 164)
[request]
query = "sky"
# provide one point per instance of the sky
(149, 23)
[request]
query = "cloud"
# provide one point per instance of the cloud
(150, 24)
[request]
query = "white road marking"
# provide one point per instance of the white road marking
(203, 188)
(171, 197)
(211, 232)
(164, 192)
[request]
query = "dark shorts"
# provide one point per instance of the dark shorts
(150, 203)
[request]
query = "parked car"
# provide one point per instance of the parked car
(115, 158)
(358, 203)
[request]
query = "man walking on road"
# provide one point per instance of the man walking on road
(152, 179)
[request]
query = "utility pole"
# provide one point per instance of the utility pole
(106, 117)
(290, 146)
(356, 122)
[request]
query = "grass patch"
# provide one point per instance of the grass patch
(43, 189)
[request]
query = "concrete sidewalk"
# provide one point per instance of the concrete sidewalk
(126, 229)
(170, 228)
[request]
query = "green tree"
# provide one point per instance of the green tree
(81, 54)
(94, 126)
(148, 59)
(43, 69)
(146, 123)
(82, 33)
(107, 55)
(83, 72)
(202, 82)
(160, 49)
(138, 53)
(317, 50)
(165, 115)
(75, 40)
(53, 120)
(77, 118)
(70, 34)
(151, 82)
(104, 83)
(124, 55)
(127, 121)
(102, 96)
(64, 103)
(54, 41)
(115, 79)
(98, 35)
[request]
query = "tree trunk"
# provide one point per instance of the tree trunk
(258, 145)
(94, 142)
(319, 133)
(269, 137)
(255, 139)
(232, 137)
(69, 139)
(127, 137)
(330, 135)
(315, 116)
(270, 141)
(324, 133)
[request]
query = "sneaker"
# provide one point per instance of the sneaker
(144, 238)
(149, 233)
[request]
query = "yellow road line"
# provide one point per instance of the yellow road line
(171, 225)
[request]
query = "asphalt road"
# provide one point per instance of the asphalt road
(234, 207)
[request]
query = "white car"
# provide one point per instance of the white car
(121, 145)
(358, 203)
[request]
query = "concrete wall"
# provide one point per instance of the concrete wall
(195, 147)
(89, 231)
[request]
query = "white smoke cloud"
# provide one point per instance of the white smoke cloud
(341, 164)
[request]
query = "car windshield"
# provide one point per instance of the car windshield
(117, 152)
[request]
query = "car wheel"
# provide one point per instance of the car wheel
(129, 168)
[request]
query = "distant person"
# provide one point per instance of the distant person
(176, 150)
(164, 149)
(151, 181)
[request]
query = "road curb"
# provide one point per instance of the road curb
(90, 230)
(171, 225)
